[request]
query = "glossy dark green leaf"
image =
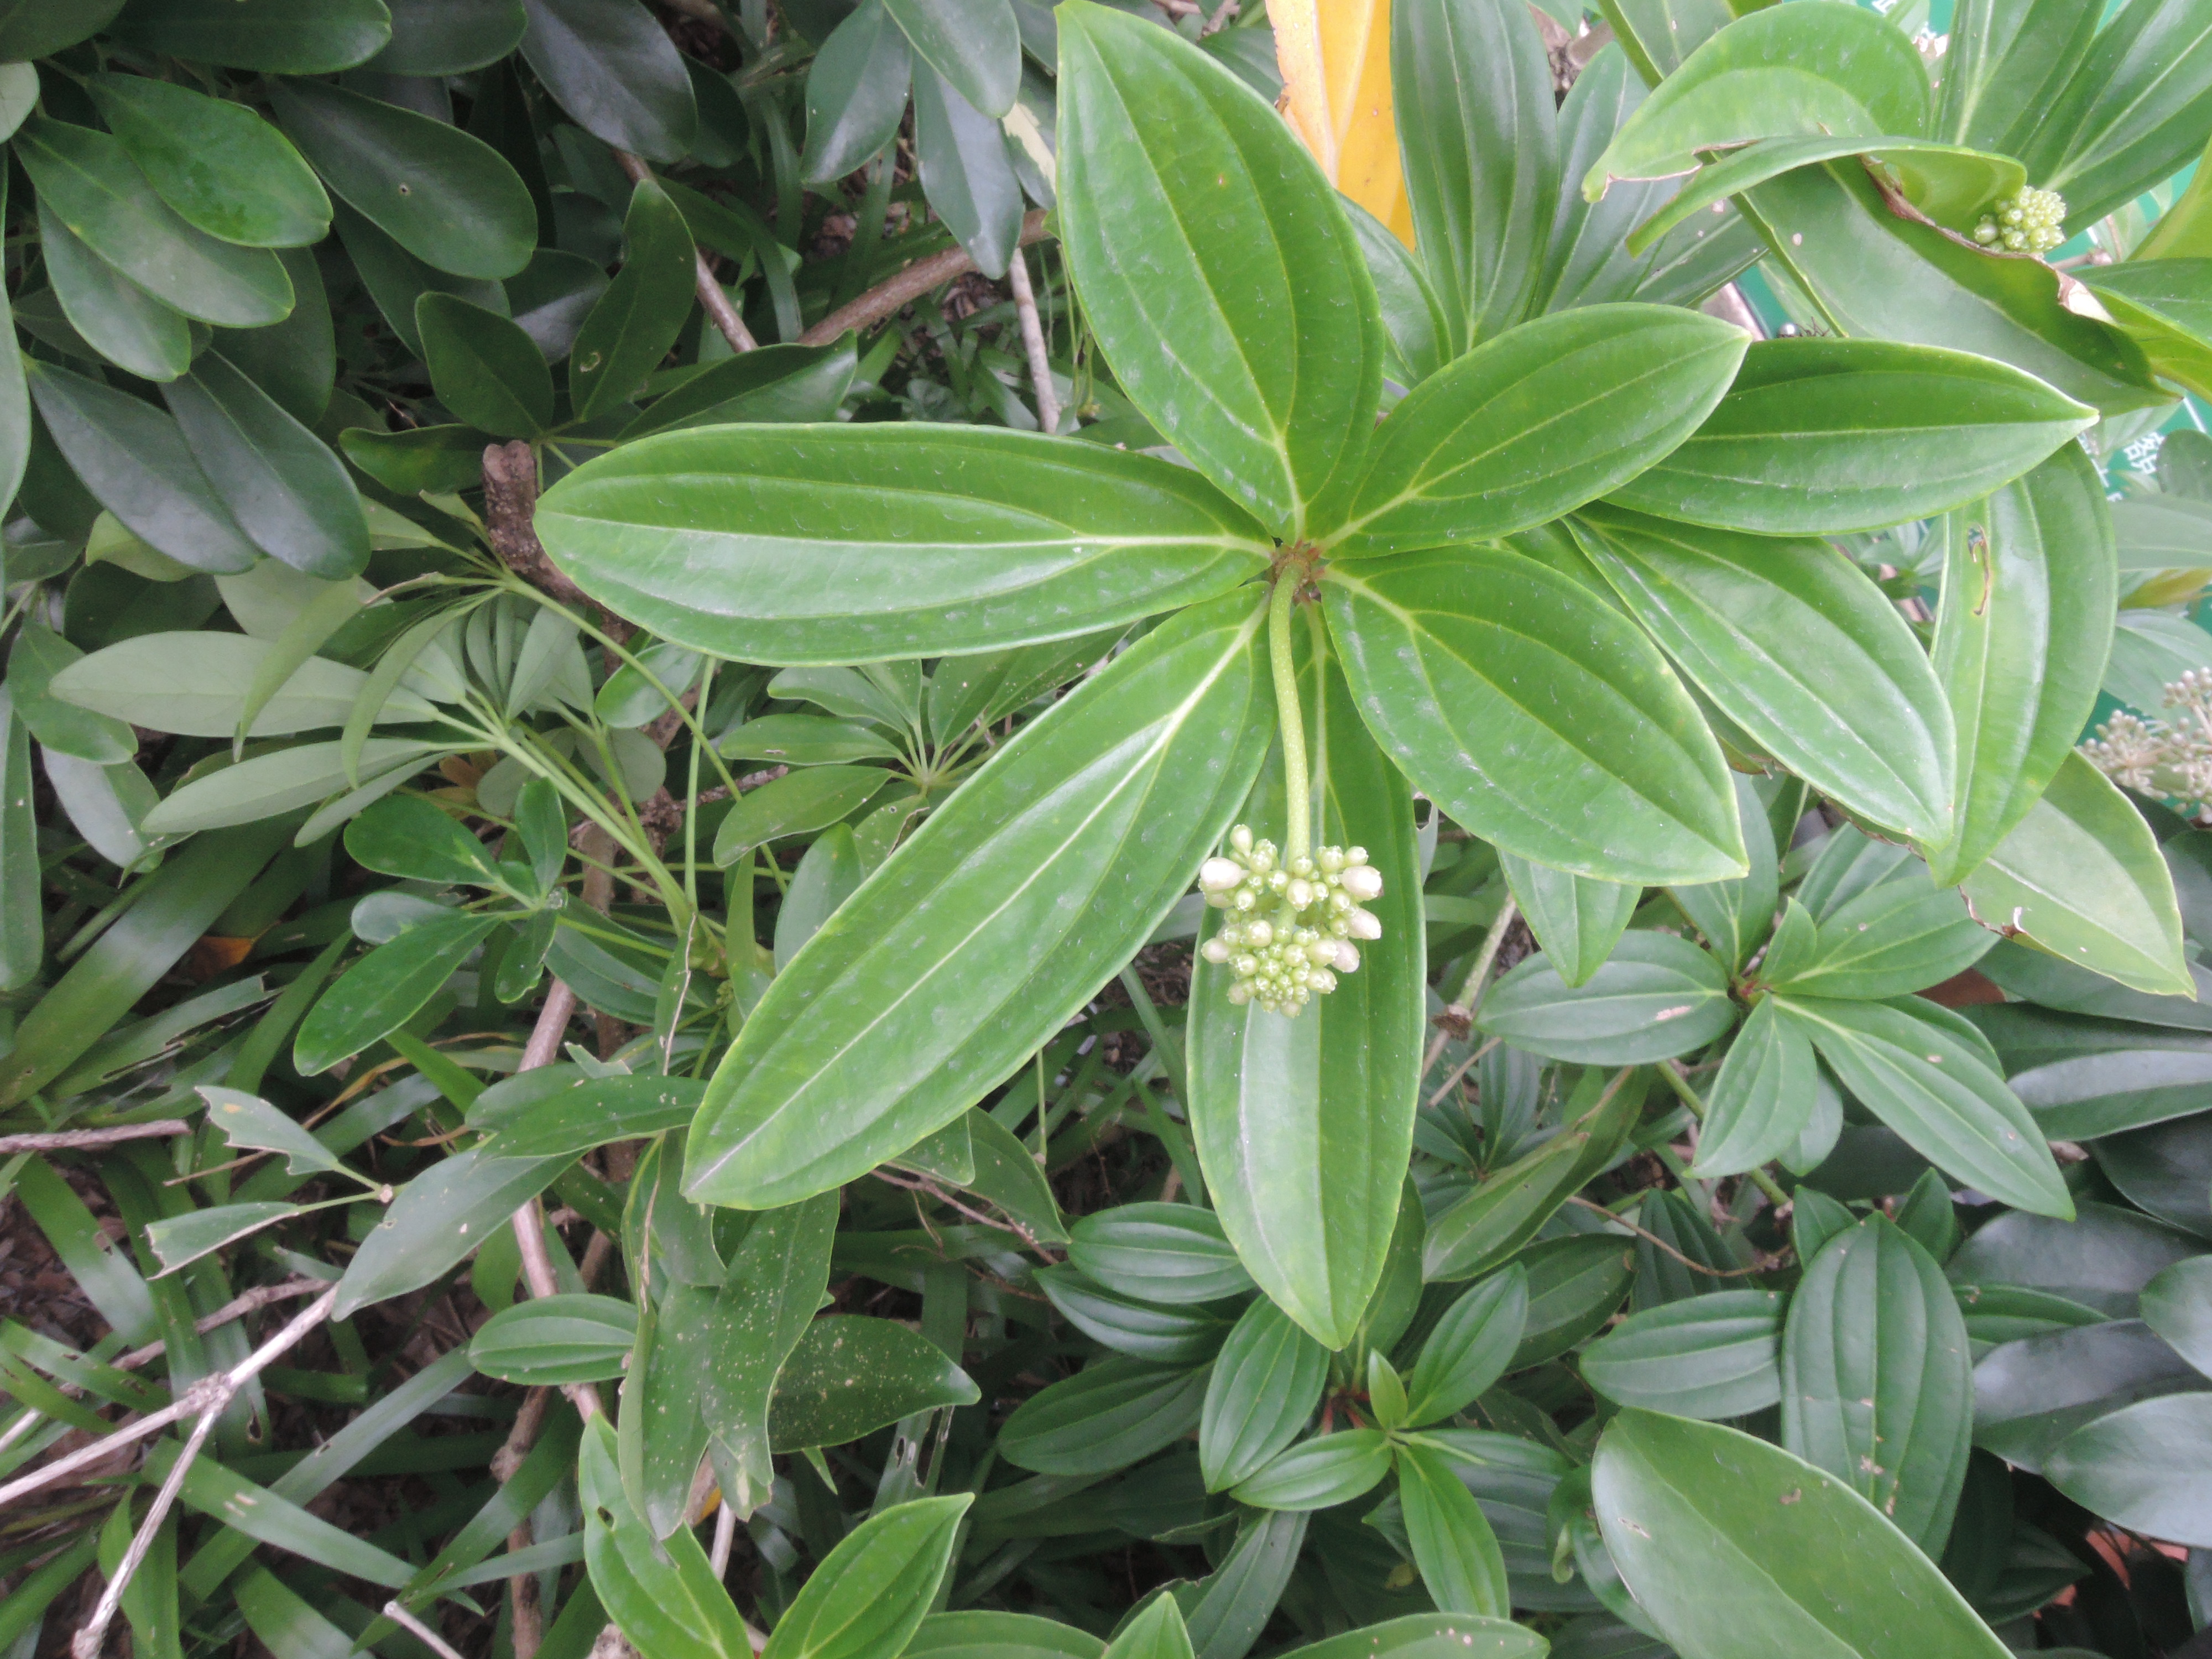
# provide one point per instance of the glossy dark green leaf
(409, 836)
(960, 154)
(274, 35)
(1001, 1636)
(134, 462)
(2081, 876)
(439, 1217)
(1222, 284)
(566, 1112)
(1168, 736)
(1762, 1098)
(31, 29)
(2161, 532)
(1303, 1124)
(810, 799)
(846, 545)
(1479, 136)
(1412, 319)
(613, 68)
(1488, 447)
(1470, 1347)
(2137, 107)
(1319, 1473)
(774, 1281)
(553, 1340)
(1612, 775)
(774, 383)
(1127, 1324)
(445, 37)
(1165, 1252)
(1112, 1414)
(2021, 53)
(1656, 35)
(661, 1592)
(1710, 1356)
(1821, 436)
(2116, 1086)
(635, 321)
(848, 1376)
(1576, 920)
(1657, 995)
(434, 459)
(1735, 916)
(2031, 1392)
(1737, 1550)
(220, 165)
(483, 367)
(856, 92)
(1897, 937)
(2177, 1305)
(1800, 648)
(295, 361)
(1876, 1388)
(807, 740)
(1887, 278)
(96, 189)
(661, 1436)
(36, 655)
(2165, 306)
(973, 44)
(450, 200)
(282, 485)
(1938, 1093)
(2165, 1169)
(1452, 1542)
(1263, 1388)
(1826, 69)
(117, 318)
(2135, 1467)
(384, 987)
(2102, 1259)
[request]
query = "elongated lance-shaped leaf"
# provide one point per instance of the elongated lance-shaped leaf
(1226, 287)
(800, 545)
(1800, 648)
(1304, 1125)
(1762, 1099)
(1575, 920)
(1609, 773)
(981, 936)
(2029, 595)
(663, 1595)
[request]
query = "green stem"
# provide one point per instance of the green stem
(1298, 785)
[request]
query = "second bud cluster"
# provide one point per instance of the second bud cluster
(1292, 922)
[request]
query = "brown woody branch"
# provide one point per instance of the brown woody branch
(909, 285)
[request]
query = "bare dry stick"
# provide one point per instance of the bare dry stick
(1025, 309)
(408, 1622)
(907, 286)
(1658, 1243)
(720, 311)
(529, 1220)
(75, 1140)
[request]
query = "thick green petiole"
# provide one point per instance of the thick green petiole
(1297, 787)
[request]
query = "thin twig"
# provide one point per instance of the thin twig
(720, 311)
(408, 1622)
(529, 1618)
(900, 289)
(1458, 1019)
(1654, 1239)
(529, 1220)
(1767, 1183)
(86, 1644)
(931, 1189)
(1460, 1070)
(1025, 310)
(725, 1535)
(73, 1141)
(1222, 15)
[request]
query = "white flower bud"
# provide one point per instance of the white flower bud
(1321, 952)
(1300, 892)
(1320, 980)
(1362, 924)
(1240, 841)
(1331, 860)
(1215, 950)
(1347, 958)
(1240, 993)
(1259, 935)
(1219, 875)
(1363, 881)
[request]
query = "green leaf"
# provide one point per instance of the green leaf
(1411, 318)
(849, 1376)
(1319, 1474)
(1762, 1098)
(1658, 34)
(662, 1593)
(961, 155)
(385, 988)
(635, 321)
(1264, 1387)
(1577, 922)
(1657, 996)
(825, 879)
(870, 1593)
(2161, 532)
(807, 740)
(38, 654)
(2177, 1305)
(973, 44)
(1735, 915)
(614, 70)
(117, 318)
(179, 1240)
(483, 367)
(1799, 647)
(2131, 114)
(2081, 876)
(858, 544)
(1431, 1636)
(413, 838)
(96, 190)
(798, 803)
(450, 200)
(555, 1340)
(2024, 50)
(282, 485)
(1936, 1091)
(221, 166)
(1452, 1542)
(856, 90)
(1225, 289)
(247, 1122)
(1001, 1636)
(438, 37)
(1303, 1124)
(1469, 1348)
(1113, 1413)
(194, 684)
(133, 459)
(437, 1218)
(1157, 1632)
(1612, 774)
(2165, 306)
(1876, 1384)
(431, 460)
(2134, 1466)
(1130, 1325)
(1818, 436)
(1737, 1550)
(1828, 69)
(775, 1280)
(1706, 1355)
(2150, 650)
(774, 383)
(287, 780)
(974, 942)
(1897, 937)
(2020, 642)
(1476, 128)
(259, 35)
(1488, 447)
(556, 1110)
(1174, 1254)
(31, 30)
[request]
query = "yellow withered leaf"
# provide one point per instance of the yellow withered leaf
(1336, 59)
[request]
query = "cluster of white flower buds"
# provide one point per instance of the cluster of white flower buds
(2026, 222)
(2170, 757)
(1292, 922)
